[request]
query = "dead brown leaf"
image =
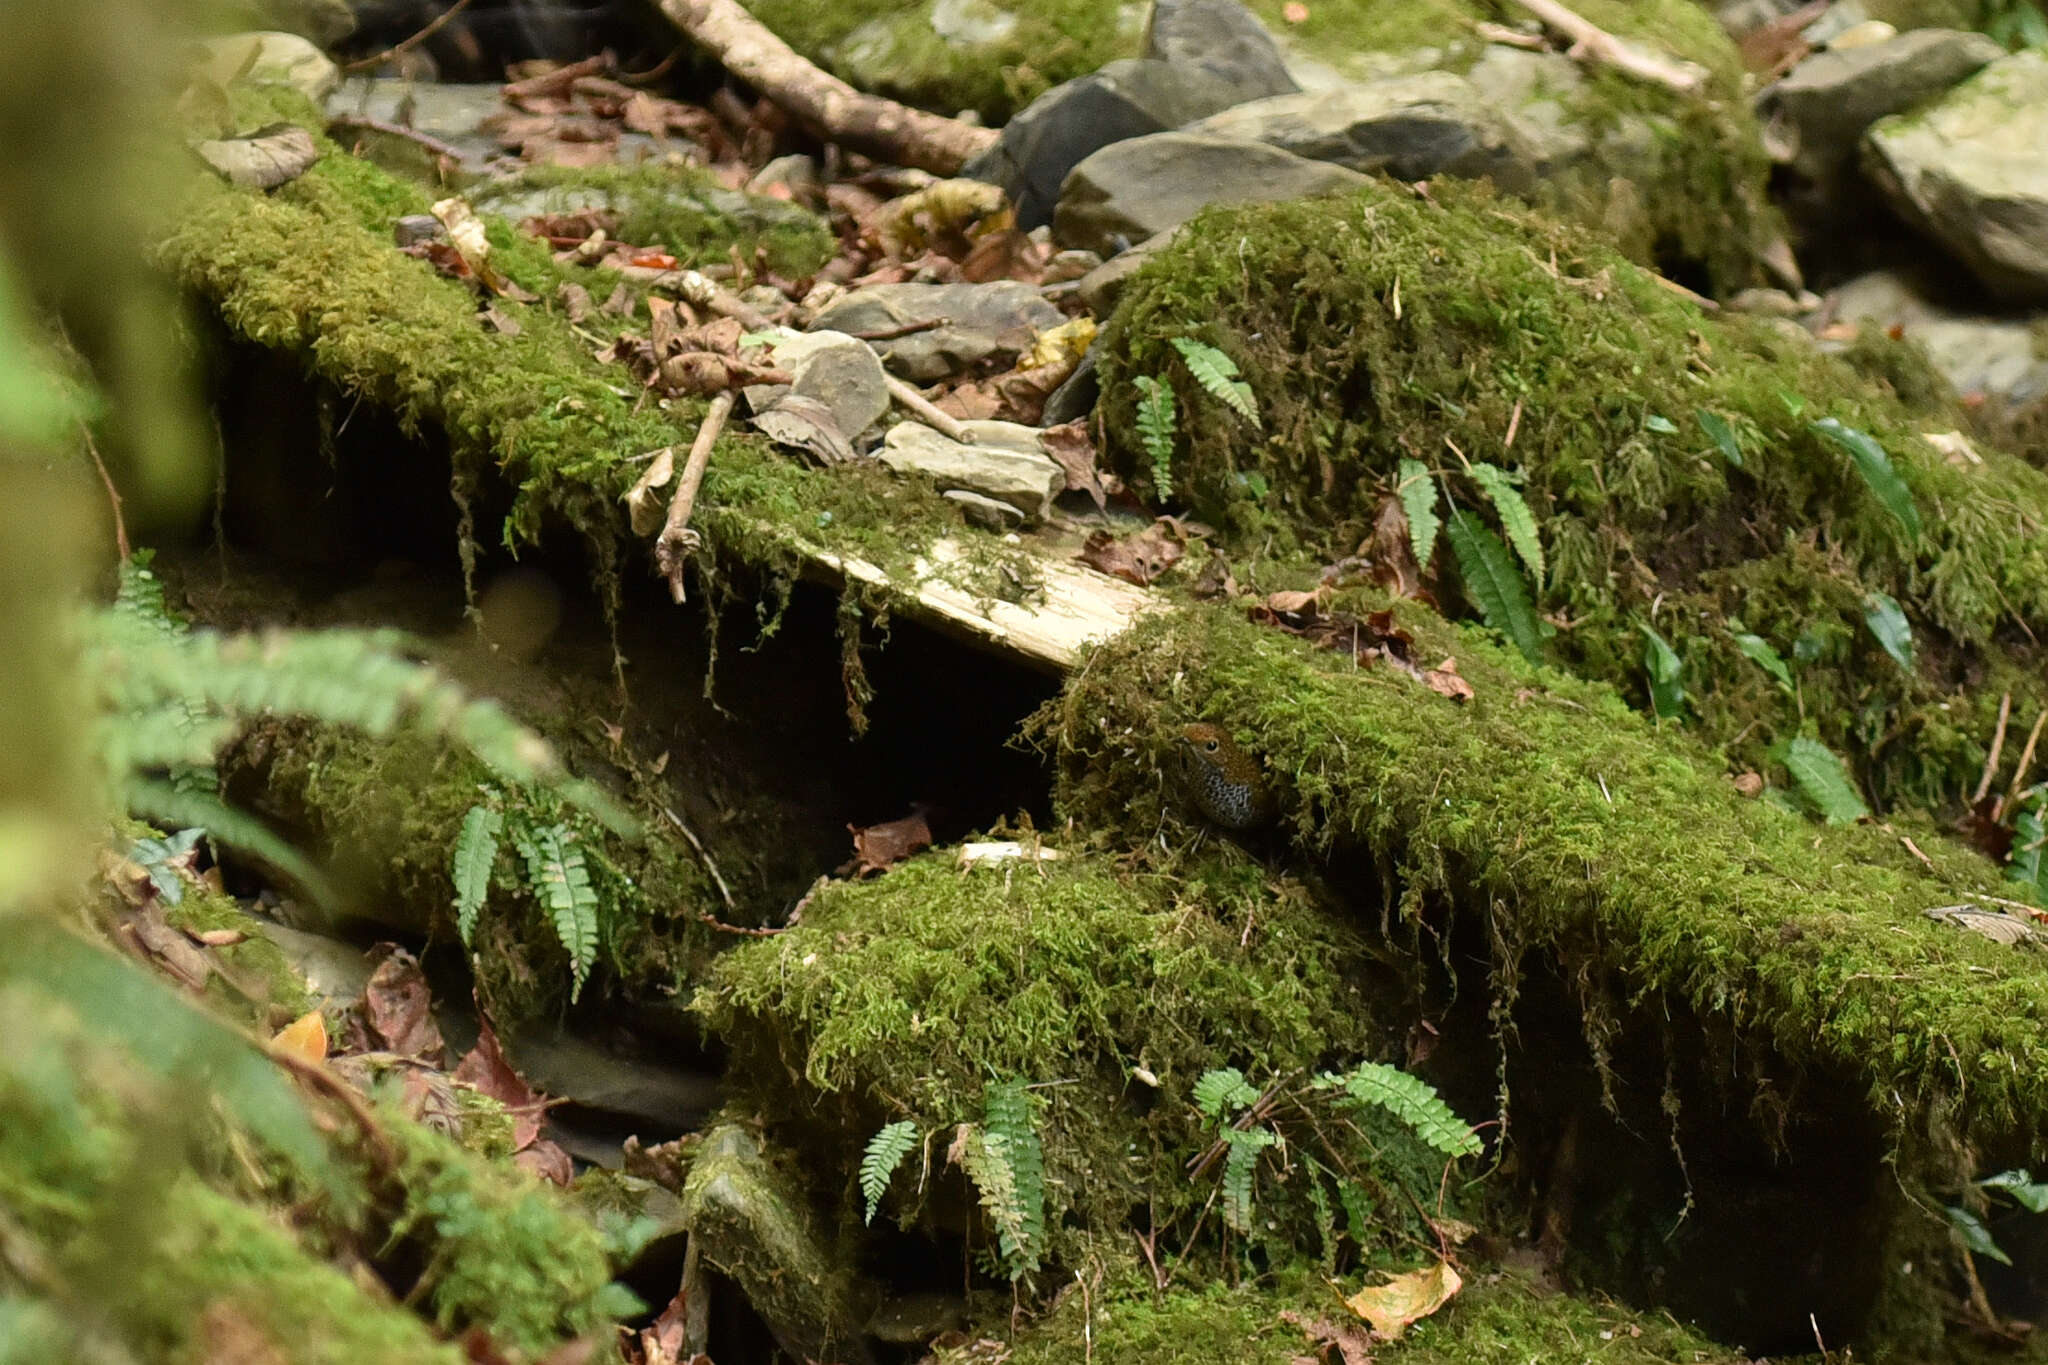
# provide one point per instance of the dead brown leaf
(1392, 554)
(1405, 1298)
(576, 302)
(1349, 1341)
(1138, 558)
(1445, 681)
(304, 1037)
(1005, 254)
(546, 1160)
(487, 1069)
(500, 321)
(877, 847)
(167, 947)
(217, 938)
(1073, 450)
(263, 160)
(399, 1008)
(1750, 784)
(1215, 582)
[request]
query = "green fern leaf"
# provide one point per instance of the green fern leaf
(987, 1162)
(1156, 427)
(886, 1150)
(1006, 1113)
(1240, 1164)
(1221, 1093)
(1217, 373)
(1878, 474)
(1326, 1219)
(1357, 1210)
(1822, 780)
(172, 807)
(560, 880)
(1417, 492)
(1408, 1098)
(1493, 582)
(1515, 517)
(476, 852)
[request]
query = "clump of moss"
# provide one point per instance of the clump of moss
(1696, 202)
(904, 997)
(1574, 829)
(1377, 327)
(681, 208)
(895, 47)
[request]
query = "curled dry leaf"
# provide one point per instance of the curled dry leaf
(877, 847)
(271, 156)
(1350, 1341)
(399, 1008)
(304, 1037)
(804, 423)
(1138, 558)
(1215, 582)
(1073, 450)
(1406, 1298)
(1445, 681)
(1392, 554)
(1750, 784)
(645, 510)
(487, 1069)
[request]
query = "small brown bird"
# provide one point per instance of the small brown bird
(1222, 781)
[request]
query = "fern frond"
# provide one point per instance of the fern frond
(1240, 1164)
(1217, 373)
(1157, 424)
(558, 878)
(1418, 499)
(886, 1150)
(165, 804)
(475, 853)
(1326, 1219)
(1006, 1113)
(987, 1161)
(1408, 1098)
(1515, 517)
(1818, 772)
(1493, 582)
(1221, 1093)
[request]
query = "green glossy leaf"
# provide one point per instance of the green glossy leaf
(2019, 1187)
(1418, 500)
(1663, 426)
(1667, 689)
(1975, 1235)
(1722, 435)
(1889, 624)
(1494, 584)
(1759, 651)
(1823, 781)
(1876, 468)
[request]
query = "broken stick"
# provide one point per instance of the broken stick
(677, 541)
(1593, 43)
(823, 103)
(938, 419)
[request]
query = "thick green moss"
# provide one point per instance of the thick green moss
(904, 996)
(678, 207)
(894, 47)
(1696, 203)
(1592, 837)
(1377, 327)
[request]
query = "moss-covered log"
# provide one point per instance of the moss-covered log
(1382, 327)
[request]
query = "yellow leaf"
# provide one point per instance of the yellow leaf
(1390, 1307)
(305, 1036)
(1062, 345)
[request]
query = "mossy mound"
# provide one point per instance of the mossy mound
(1581, 833)
(1380, 327)
(1695, 201)
(680, 208)
(990, 56)
(906, 996)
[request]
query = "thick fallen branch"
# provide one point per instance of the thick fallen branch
(823, 103)
(1593, 43)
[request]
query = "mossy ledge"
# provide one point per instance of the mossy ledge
(1547, 805)
(1379, 326)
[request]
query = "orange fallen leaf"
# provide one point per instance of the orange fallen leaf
(1445, 681)
(1294, 12)
(304, 1037)
(877, 847)
(1390, 1307)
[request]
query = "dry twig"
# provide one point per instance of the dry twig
(823, 103)
(1997, 747)
(677, 541)
(400, 49)
(939, 420)
(1591, 43)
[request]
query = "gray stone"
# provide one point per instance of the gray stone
(662, 1101)
(1971, 171)
(1997, 357)
(977, 324)
(1136, 189)
(272, 59)
(1067, 266)
(1055, 132)
(1220, 37)
(335, 971)
(451, 113)
(971, 23)
(415, 228)
(1411, 127)
(795, 172)
(1024, 479)
(1823, 106)
(1536, 89)
(840, 371)
(1100, 288)
(754, 1225)
(1078, 392)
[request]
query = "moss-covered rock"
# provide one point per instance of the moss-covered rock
(1692, 169)
(990, 56)
(1379, 327)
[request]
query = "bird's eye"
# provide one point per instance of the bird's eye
(1210, 746)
